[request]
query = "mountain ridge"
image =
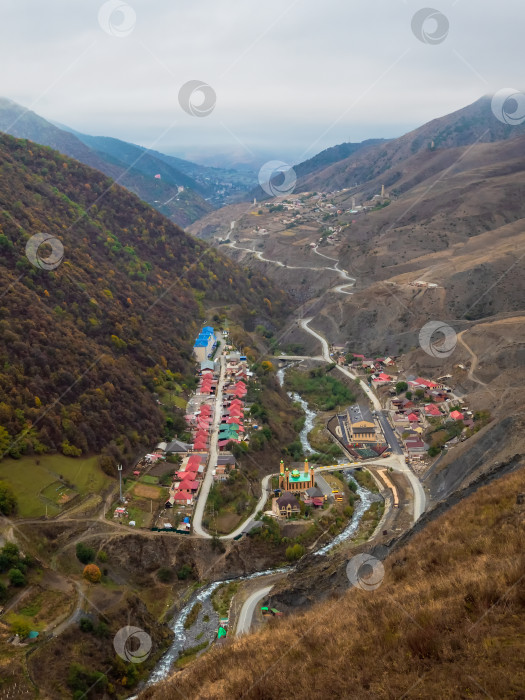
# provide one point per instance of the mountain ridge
(136, 172)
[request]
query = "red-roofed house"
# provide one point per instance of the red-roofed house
(432, 410)
(187, 476)
(412, 418)
(456, 415)
(421, 383)
(382, 379)
(183, 497)
(188, 486)
(193, 462)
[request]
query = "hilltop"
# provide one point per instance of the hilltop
(467, 126)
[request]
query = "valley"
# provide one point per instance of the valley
(242, 440)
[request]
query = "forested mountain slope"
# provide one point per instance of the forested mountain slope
(131, 166)
(83, 346)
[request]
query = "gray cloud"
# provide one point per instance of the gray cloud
(291, 77)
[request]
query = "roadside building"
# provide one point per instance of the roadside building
(204, 344)
(286, 506)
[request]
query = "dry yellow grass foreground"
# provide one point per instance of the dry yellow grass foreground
(447, 622)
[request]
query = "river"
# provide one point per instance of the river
(310, 415)
(185, 638)
(163, 667)
(182, 639)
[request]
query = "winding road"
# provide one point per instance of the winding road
(399, 463)
(248, 609)
(474, 360)
(349, 281)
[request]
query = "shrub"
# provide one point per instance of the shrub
(85, 554)
(16, 577)
(102, 629)
(217, 544)
(81, 680)
(184, 572)
(21, 628)
(102, 556)
(165, 575)
(85, 624)
(294, 552)
(9, 556)
(7, 499)
(92, 573)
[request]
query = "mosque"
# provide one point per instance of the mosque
(297, 480)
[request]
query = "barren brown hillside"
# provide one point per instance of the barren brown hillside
(446, 622)
(472, 124)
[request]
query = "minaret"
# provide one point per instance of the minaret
(308, 470)
(281, 475)
(383, 191)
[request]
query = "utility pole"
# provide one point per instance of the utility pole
(119, 469)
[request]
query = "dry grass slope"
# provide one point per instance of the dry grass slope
(447, 622)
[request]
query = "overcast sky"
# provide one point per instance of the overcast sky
(291, 77)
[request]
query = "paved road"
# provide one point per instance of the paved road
(350, 281)
(212, 458)
(326, 354)
(265, 488)
(75, 615)
(389, 433)
(208, 479)
(397, 461)
(248, 609)
(318, 358)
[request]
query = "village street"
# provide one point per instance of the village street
(212, 457)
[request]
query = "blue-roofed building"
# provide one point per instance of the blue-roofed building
(204, 344)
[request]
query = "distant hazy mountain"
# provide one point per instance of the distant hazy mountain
(331, 155)
(184, 192)
(319, 162)
(217, 185)
(473, 124)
